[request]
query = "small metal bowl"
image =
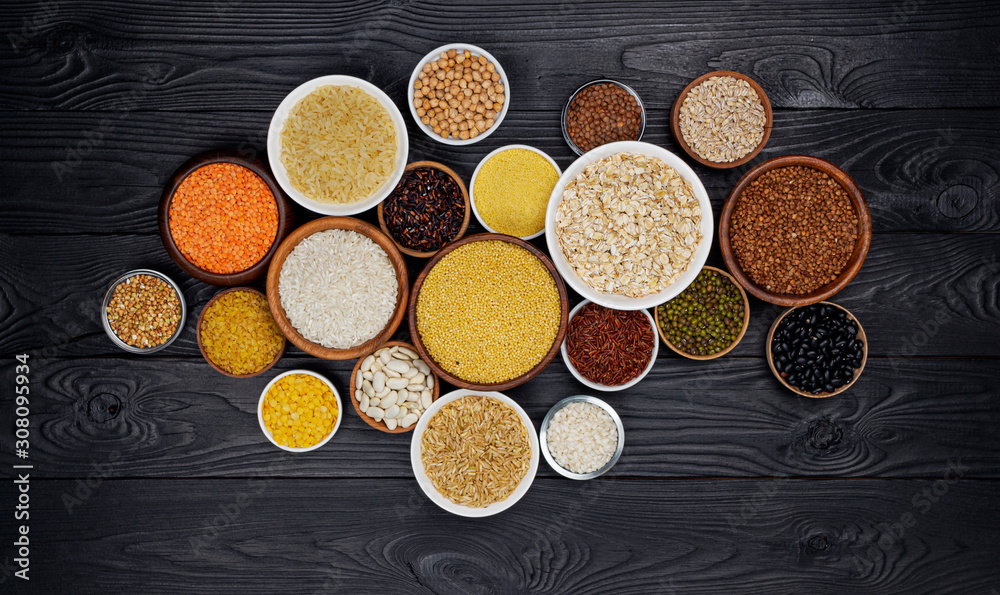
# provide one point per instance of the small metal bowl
(544, 443)
(565, 111)
(107, 300)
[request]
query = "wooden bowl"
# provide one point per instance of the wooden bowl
(465, 200)
(675, 126)
(380, 425)
(556, 343)
(366, 229)
(739, 337)
(853, 263)
(201, 345)
(857, 372)
(286, 218)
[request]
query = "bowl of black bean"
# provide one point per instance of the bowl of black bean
(428, 209)
(817, 350)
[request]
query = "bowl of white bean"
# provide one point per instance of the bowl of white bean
(582, 437)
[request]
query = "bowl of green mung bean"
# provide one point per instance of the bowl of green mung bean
(708, 319)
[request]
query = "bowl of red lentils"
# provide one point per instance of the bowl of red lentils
(609, 350)
(510, 190)
(143, 311)
(222, 216)
(458, 94)
(237, 334)
(795, 230)
(299, 410)
(602, 112)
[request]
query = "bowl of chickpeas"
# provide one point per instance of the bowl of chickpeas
(458, 94)
(299, 410)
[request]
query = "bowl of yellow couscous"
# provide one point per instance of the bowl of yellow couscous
(299, 410)
(510, 190)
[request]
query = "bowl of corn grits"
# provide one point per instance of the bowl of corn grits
(488, 312)
(299, 410)
(510, 190)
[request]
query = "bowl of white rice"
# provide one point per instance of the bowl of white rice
(582, 437)
(338, 288)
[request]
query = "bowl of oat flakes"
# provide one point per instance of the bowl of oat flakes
(629, 225)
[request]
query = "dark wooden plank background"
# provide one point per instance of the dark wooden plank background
(150, 473)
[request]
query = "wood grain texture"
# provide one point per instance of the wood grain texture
(729, 417)
(933, 170)
(110, 55)
(917, 294)
(588, 538)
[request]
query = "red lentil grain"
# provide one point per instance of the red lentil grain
(223, 218)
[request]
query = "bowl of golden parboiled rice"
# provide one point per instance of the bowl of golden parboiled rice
(488, 312)
(474, 453)
(629, 225)
(337, 145)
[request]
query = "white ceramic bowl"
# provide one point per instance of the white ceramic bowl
(425, 482)
(605, 387)
(475, 51)
(274, 145)
(267, 432)
(621, 302)
(475, 174)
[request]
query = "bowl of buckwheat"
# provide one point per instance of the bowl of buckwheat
(629, 225)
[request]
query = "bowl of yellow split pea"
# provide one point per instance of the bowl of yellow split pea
(510, 190)
(299, 410)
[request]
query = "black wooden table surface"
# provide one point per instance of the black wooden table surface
(150, 474)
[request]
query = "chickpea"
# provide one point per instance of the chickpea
(458, 95)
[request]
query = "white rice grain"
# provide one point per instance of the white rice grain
(338, 288)
(582, 437)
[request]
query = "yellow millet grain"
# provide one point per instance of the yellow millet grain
(299, 410)
(239, 334)
(488, 312)
(512, 191)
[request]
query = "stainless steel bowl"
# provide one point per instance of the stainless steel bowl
(544, 442)
(107, 300)
(565, 111)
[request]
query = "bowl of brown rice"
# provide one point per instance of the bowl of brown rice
(474, 453)
(337, 145)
